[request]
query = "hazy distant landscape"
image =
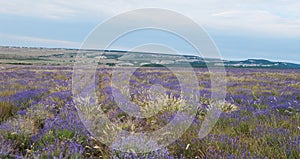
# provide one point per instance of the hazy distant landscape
(60, 56)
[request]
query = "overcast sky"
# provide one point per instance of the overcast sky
(268, 29)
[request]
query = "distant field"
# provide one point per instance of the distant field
(12, 55)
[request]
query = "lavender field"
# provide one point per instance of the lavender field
(260, 118)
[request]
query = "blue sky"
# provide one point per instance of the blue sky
(241, 30)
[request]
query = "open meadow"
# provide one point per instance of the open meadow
(260, 117)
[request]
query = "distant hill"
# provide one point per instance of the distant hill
(60, 56)
(261, 63)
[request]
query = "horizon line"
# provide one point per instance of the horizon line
(116, 50)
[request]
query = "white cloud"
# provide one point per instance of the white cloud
(37, 41)
(258, 16)
(43, 9)
(257, 21)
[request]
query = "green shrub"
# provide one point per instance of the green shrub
(49, 138)
(23, 141)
